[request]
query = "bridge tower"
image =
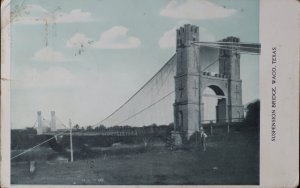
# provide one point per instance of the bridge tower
(53, 121)
(186, 106)
(191, 81)
(40, 128)
(229, 64)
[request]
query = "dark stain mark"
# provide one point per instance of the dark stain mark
(5, 79)
(46, 33)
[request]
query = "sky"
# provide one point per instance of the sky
(86, 58)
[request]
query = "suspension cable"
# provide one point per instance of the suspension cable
(156, 102)
(215, 61)
(34, 124)
(53, 137)
(224, 48)
(170, 61)
(144, 109)
(37, 145)
(231, 44)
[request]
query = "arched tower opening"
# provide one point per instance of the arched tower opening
(214, 105)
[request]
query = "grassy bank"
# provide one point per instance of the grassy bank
(230, 159)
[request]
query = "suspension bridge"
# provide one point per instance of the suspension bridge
(175, 93)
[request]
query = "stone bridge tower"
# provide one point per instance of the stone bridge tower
(186, 106)
(190, 82)
(229, 65)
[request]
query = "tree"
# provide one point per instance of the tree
(89, 128)
(30, 130)
(253, 113)
(100, 128)
(76, 126)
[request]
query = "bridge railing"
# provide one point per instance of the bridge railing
(211, 125)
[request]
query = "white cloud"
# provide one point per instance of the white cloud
(114, 38)
(78, 40)
(75, 15)
(48, 54)
(196, 9)
(168, 40)
(32, 8)
(36, 14)
(50, 78)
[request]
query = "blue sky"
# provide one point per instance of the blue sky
(64, 54)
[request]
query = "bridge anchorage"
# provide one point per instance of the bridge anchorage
(192, 59)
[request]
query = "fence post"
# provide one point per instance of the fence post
(211, 129)
(71, 141)
(228, 129)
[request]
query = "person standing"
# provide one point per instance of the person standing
(203, 136)
(32, 168)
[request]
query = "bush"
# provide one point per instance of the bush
(253, 113)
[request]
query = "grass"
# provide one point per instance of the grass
(231, 159)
